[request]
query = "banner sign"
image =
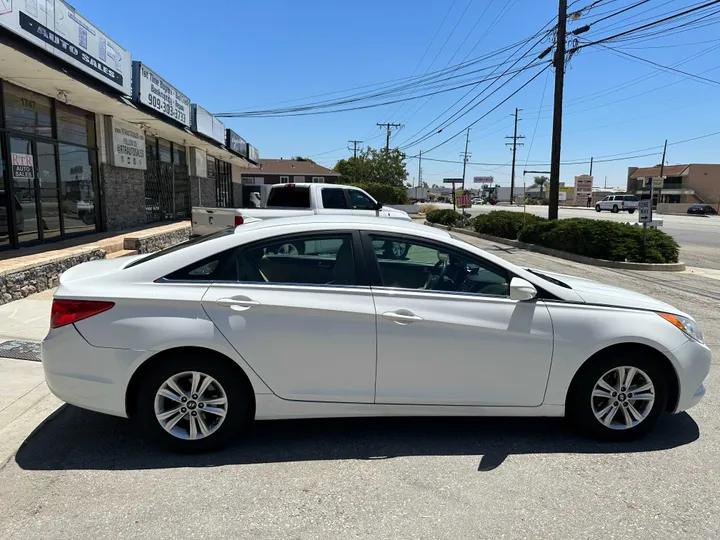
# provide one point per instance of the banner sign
(60, 30)
(23, 167)
(253, 154)
(127, 144)
(583, 188)
(236, 143)
(205, 123)
(462, 199)
(483, 179)
(152, 90)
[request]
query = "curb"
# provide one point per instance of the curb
(651, 267)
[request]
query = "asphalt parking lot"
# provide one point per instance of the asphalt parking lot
(83, 475)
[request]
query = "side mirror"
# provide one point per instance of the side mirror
(378, 206)
(521, 290)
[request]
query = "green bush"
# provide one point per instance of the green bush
(504, 223)
(384, 193)
(448, 217)
(602, 240)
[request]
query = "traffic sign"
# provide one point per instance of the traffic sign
(452, 180)
(645, 211)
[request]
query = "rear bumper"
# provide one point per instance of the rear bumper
(694, 360)
(93, 378)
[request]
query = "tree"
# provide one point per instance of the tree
(380, 166)
(541, 182)
(300, 158)
(425, 185)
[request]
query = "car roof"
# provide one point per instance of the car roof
(345, 221)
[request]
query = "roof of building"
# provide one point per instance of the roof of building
(668, 170)
(292, 166)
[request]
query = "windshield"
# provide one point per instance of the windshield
(183, 245)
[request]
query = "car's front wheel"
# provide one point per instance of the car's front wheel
(617, 398)
(597, 208)
(192, 404)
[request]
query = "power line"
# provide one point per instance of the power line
(648, 25)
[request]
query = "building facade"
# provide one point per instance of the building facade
(289, 171)
(92, 141)
(679, 185)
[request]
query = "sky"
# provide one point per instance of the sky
(228, 55)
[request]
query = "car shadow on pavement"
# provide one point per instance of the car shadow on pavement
(74, 438)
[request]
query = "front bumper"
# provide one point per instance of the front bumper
(93, 378)
(692, 361)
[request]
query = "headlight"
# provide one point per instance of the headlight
(685, 324)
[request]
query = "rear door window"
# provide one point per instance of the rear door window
(289, 197)
(334, 198)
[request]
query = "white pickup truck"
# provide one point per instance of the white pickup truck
(291, 200)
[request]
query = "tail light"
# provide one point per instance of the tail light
(239, 220)
(66, 312)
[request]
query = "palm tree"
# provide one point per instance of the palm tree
(541, 182)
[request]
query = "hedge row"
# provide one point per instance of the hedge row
(447, 217)
(384, 193)
(602, 240)
(588, 237)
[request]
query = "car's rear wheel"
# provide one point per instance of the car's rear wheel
(615, 209)
(631, 211)
(597, 208)
(192, 404)
(618, 398)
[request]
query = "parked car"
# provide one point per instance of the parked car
(295, 200)
(618, 203)
(702, 209)
(235, 333)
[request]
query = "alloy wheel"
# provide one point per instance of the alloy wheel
(622, 398)
(191, 405)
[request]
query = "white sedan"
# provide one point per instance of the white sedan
(198, 340)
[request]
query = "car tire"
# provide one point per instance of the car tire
(615, 209)
(597, 208)
(631, 211)
(584, 406)
(225, 384)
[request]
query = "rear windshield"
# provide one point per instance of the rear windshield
(630, 198)
(182, 245)
(289, 197)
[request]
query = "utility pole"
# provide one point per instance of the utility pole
(662, 170)
(557, 110)
(355, 145)
(514, 145)
(591, 160)
(419, 184)
(389, 128)
(465, 158)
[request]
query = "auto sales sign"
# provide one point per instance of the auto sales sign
(60, 30)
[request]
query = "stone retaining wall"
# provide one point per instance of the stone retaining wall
(155, 242)
(17, 284)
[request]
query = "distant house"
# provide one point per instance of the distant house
(289, 171)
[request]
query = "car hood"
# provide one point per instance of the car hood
(396, 213)
(593, 292)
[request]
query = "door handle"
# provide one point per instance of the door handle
(402, 316)
(238, 304)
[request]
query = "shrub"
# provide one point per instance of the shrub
(427, 208)
(602, 240)
(384, 193)
(503, 223)
(448, 217)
